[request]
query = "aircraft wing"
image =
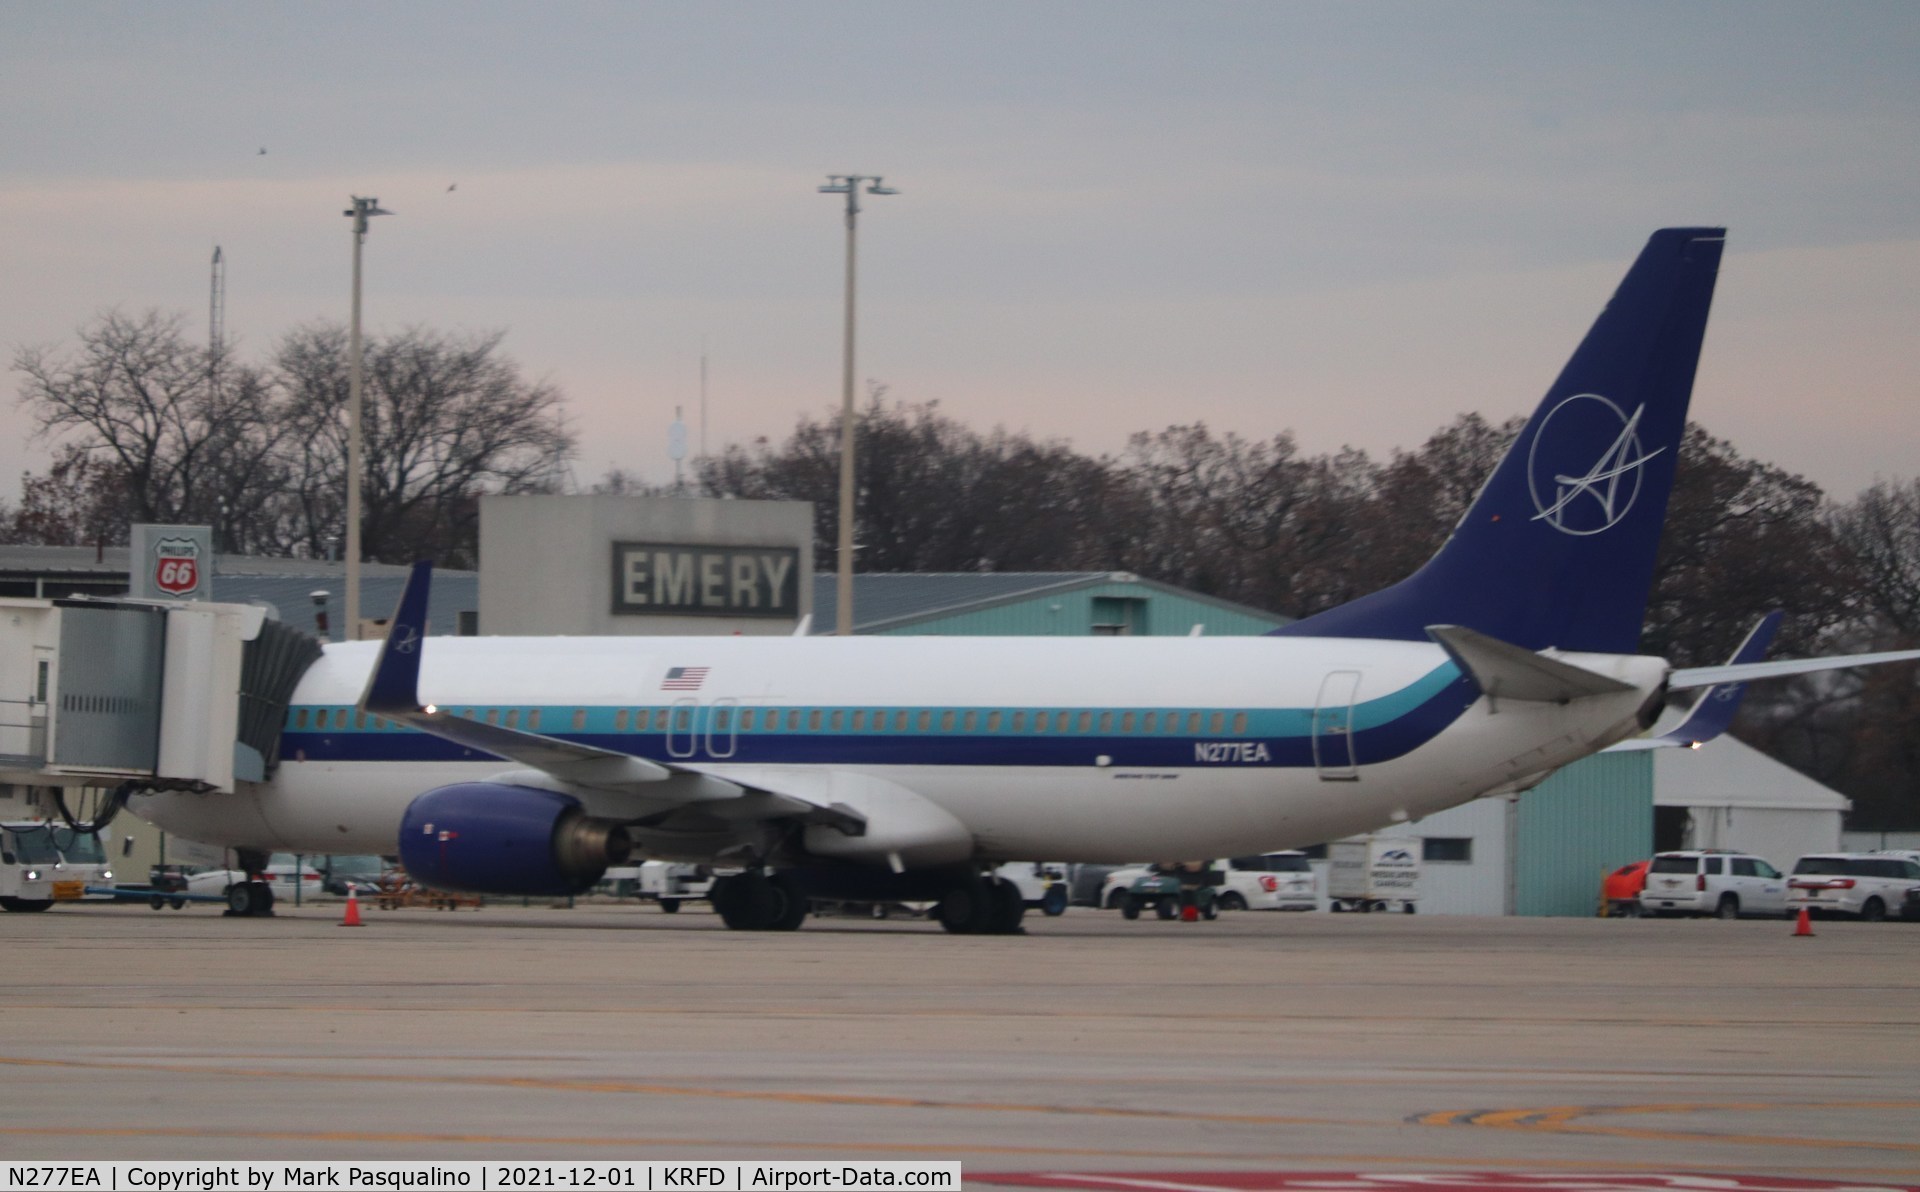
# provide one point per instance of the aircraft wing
(392, 691)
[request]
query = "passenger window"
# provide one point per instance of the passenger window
(1039, 722)
(859, 720)
(1239, 724)
(746, 721)
(1193, 724)
(533, 720)
(900, 721)
(993, 721)
(513, 718)
(1126, 722)
(1106, 722)
(493, 716)
(579, 720)
(683, 720)
(946, 721)
(1086, 721)
(1063, 722)
(340, 718)
(723, 720)
(1019, 722)
(300, 718)
(1216, 723)
(793, 720)
(1149, 721)
(970, 721)
(839, 720)
(620, 721)
(813, 720)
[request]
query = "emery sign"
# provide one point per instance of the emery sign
(720, 581)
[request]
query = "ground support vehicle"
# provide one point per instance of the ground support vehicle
(1042, 885)
(44, 863)
(1620, 891)
(1169, 889)
(1714, 882)
(1866, 886)
(1374, 873)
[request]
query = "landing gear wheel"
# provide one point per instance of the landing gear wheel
(757, 902)
(982, 906)
(1008, 908)
(249, 899)
(793, 905)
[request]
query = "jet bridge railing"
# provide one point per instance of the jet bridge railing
(23, 734)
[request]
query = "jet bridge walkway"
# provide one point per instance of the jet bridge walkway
(103, 692)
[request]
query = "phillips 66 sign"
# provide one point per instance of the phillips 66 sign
(171, 562)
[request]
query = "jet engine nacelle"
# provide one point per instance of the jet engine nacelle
(491, 838)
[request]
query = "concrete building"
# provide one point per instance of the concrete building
(600, 565)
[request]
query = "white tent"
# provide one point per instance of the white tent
(1739, 798)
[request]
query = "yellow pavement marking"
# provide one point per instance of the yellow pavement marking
(554, 1084)
(1564, 1119)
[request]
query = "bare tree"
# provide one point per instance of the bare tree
(188, 435)
(445, 419)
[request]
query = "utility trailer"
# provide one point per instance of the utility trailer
(1374, 873)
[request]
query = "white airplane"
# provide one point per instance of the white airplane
(899, 767)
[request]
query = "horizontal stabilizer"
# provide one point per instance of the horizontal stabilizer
(1505, 671)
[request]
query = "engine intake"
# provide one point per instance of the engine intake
(492, 838)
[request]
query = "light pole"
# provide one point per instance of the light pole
(360, 212)
(848, 185)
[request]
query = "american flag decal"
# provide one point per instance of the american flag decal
(684, 678)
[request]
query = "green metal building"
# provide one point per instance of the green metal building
(1033, 604)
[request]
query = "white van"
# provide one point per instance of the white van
(1862, 884)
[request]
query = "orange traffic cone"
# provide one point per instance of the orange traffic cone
(352, 918)
(1804, 925)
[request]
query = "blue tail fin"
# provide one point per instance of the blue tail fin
(1558, 548)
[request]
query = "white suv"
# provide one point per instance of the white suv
(1713, 882)
(1871, 887)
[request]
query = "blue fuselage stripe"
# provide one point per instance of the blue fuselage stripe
(1381, 729)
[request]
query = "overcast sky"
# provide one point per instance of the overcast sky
(1354, 221)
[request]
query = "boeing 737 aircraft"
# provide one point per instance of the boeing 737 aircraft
(900, 767)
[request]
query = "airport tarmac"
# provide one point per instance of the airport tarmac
(1261, 1042)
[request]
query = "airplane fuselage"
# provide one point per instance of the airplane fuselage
(1040, 747)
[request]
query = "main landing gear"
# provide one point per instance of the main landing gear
(758, 901)
(982, 905)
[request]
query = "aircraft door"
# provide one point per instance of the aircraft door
(1333, 727)
(723, 727)
(682, 736)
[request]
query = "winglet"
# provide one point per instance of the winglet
(1712, 714)
(395, 683)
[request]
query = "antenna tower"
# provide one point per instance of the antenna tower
(217, 305)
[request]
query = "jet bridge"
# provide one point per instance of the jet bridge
(102, 692)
